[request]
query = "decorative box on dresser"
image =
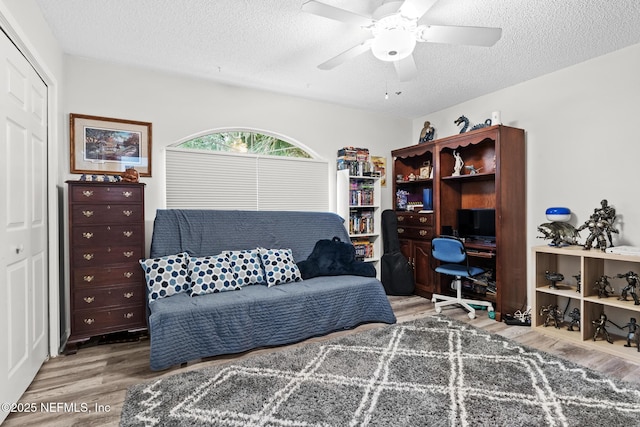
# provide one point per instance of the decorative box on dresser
(106, 240)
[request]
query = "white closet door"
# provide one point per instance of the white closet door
(23, 224)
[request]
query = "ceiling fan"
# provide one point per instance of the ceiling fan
(395, 32)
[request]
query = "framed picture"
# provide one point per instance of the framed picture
(106, 146)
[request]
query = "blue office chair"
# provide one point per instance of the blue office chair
(451, 253)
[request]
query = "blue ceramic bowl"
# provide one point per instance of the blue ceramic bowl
(558, 214)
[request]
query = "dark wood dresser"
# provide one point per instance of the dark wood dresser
(106, 240)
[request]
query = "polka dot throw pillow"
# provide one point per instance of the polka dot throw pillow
(247, 266)
(211, 274)
(279, 266)
(166, 276)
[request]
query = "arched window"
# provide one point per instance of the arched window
(245, 169)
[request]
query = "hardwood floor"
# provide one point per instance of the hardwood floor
(100, 375)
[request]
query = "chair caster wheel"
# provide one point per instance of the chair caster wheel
(472, 315)
(438, 310)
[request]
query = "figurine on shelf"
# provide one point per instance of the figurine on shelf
(603, 287)
(457, 167)
(575, 319)
(553, 278)
(472, 170)
(633, 334)
(632, 283)
(130, 175)
(601, 328)
(558, 230)
(462, 120)
(427, 133)
(600, 225)
(578, 278)
(553, 314)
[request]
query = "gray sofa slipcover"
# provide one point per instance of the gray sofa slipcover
(184, 328)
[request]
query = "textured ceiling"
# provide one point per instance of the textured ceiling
(273, 45)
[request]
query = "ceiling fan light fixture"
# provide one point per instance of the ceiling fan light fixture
(393, 44)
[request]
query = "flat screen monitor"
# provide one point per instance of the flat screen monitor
(478, 224)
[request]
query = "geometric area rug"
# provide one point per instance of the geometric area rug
(428, 372)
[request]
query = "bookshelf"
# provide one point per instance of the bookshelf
(359, 204)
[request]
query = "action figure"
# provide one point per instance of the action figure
(578, 278)
(560, 233)
(575, 319)
(553, 315)
(632, 280)
(601, 328)
(600, 224)
(633, 334)
(603, 286)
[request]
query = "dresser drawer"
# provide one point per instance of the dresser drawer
(420, 233)
(415, 219)
(107, 213)
(107, 320)
(104, 255)
(100, 276)
(115, 235)
(97, 193)
(95, 298)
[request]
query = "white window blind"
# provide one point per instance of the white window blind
(214, 180)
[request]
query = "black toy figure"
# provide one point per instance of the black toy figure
(603, 287)
(633, 334)
(553, 278)
(601, 328)
(600, 225)
(578, 278)
(632, 283)
(575, 319)
(553, 314)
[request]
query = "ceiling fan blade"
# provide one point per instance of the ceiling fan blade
(416, 8)
(346, 55)
(472, 36)
(406, 69)
(335, 13)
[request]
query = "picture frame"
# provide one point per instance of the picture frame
(109, 146)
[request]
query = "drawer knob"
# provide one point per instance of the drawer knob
(88, 257)
(127, 213)
(128, 315)
(127, 274)
(87, 235)
(400, 218)
(88, 278)
(423, 232)
(127, 193)
(423, 219)
(87, 193)
(128, 254)
(128, 295)
(127, 233)
(88, 214)
(400, 230)
(89, 300)
(89, 321)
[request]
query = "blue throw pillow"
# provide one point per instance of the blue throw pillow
(211, 274)
(279, 266)
(247, 266)
(167, 275)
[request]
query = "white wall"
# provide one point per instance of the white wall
(582, 138)
(180, 106)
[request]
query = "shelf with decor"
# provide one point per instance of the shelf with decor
(358, 203)
(490, 175)
(583, 271)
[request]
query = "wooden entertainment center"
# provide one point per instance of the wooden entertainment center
(493, 177)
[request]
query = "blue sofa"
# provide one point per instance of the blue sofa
(184, 328)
